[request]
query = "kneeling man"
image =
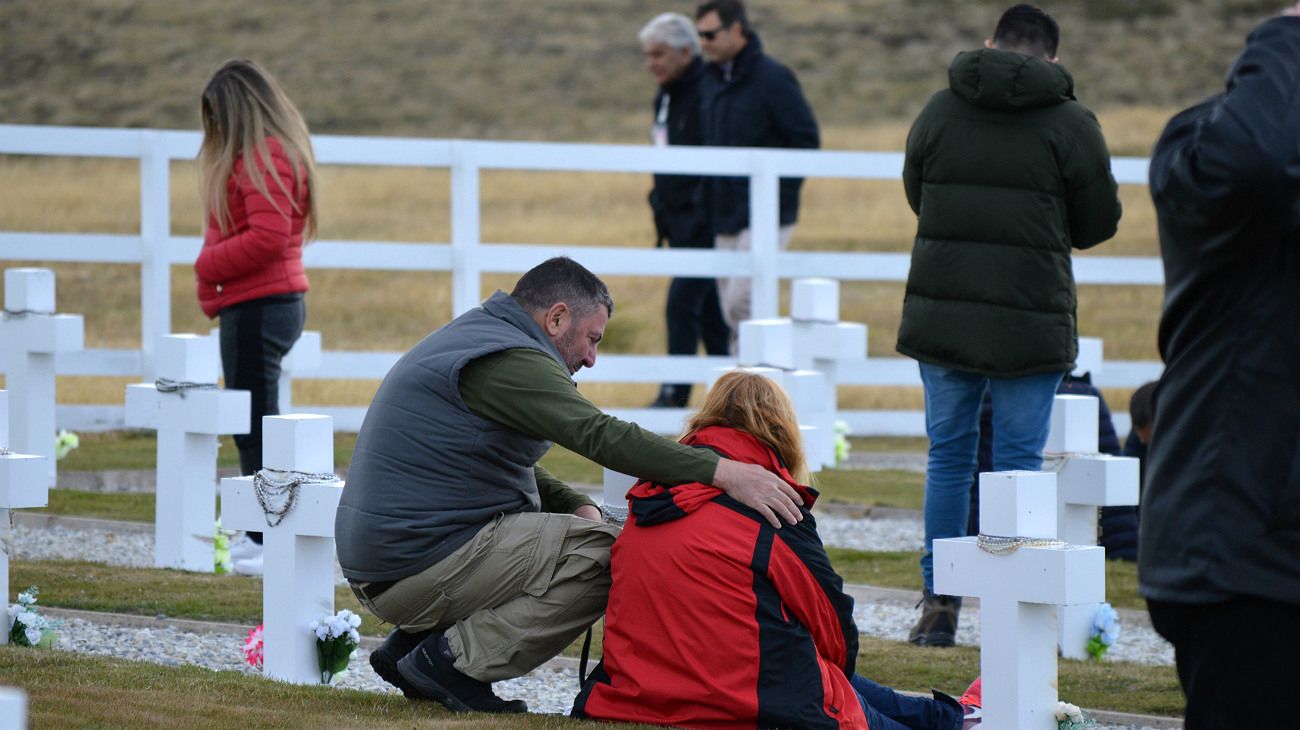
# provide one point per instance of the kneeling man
(448, 528)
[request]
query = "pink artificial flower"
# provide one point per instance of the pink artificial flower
(253, 647)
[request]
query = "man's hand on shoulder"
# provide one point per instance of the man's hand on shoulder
(760, 490)
(589, 512)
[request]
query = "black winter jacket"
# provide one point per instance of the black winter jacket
(1006, 172)
(1221, 505)
(675, 199)
(758, 104)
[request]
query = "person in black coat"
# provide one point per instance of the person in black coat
(693, 314)
(1219, 558)
(747, 99)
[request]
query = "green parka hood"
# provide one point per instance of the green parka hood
(996, 79)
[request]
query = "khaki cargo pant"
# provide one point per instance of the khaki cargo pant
(511, 598)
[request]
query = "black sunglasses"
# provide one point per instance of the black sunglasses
(709, 35)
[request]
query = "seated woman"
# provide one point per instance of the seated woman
(716, 619)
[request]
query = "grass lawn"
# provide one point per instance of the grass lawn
(233, 599)
(76, 690)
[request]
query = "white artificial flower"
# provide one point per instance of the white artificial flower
(33, 636)
(1067, 711)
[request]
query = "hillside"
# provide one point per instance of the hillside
(559, 69)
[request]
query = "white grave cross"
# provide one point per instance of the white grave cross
(1085, 480)
(188, 421)
(1018, 593)
(30, 336)
(302, 358)
(822, 342)
(614, 495)
(298, 544)
(22, 485)
(766, 347)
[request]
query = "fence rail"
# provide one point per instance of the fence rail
(468, 258)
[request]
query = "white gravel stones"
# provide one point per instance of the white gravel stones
(546, 690)
(1137, 644)
(890, 534)
(131, 549)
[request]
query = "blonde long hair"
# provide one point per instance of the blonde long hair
(241, 106)
(754, 404)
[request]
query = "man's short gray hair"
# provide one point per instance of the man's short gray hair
(673, 30)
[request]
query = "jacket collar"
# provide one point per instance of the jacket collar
(653, 504)
(686, 80)
(505, 307)
(744, 61)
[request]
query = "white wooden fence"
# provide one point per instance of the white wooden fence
(468, 258)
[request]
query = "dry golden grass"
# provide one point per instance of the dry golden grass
(390, 311)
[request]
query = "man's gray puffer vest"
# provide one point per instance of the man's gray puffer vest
(427, 473)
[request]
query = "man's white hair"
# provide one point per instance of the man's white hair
(673, 30)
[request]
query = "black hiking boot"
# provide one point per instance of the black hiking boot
(430, 673)
(384, 659)
(938, 623)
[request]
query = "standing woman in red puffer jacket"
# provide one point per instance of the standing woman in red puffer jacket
(258, 178)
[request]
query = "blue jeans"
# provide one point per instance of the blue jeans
(1022, 412)
(889, 710)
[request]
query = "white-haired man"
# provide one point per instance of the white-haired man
(693, 313)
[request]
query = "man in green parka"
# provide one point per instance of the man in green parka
(1007, 173)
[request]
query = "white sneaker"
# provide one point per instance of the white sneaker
(249, 566)
(243, 548)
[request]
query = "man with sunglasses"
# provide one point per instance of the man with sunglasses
(747, 99)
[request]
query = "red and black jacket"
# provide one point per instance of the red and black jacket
(718, 620)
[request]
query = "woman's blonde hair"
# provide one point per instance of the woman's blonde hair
(754, 404)
(241, 106)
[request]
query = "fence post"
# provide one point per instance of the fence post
(465, 272)
(155, 232)
(764, 221)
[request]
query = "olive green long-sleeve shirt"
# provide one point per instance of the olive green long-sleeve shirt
(528, 391)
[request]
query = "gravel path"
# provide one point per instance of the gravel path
(545, 690)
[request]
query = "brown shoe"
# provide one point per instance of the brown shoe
(938, 623)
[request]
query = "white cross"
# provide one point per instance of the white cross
(188, 423)
(22, 485)
(298, 553)
(1018, 595)
(614, 494)
(302, 358)
(822, 342)
(13, 708)
(1085, 481)
(31, 335)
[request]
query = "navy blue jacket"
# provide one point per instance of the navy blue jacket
(757, 104)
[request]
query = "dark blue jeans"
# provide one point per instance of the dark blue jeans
(255, 336)
(1022, 413)
(889, 710)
